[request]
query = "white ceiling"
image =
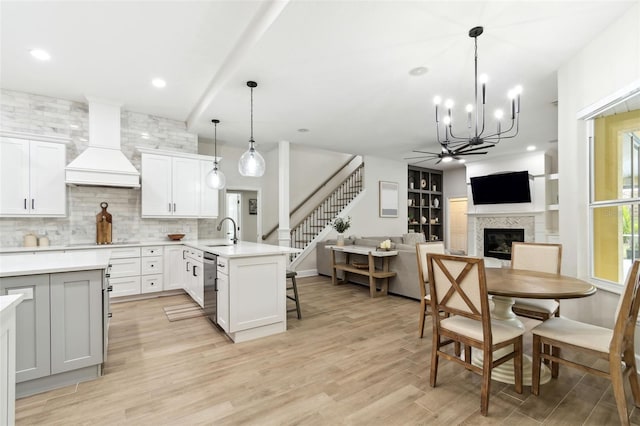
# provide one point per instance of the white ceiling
(337, 68)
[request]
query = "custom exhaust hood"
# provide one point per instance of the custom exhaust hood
(103, 163)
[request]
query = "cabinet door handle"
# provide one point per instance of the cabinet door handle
(110, 288)
(169, 206)
(25, 203)
(33, 203)
(215, 284)
(220, 265)
(174, 207)
(184, 254)
(188, 266)
(195, 274)
(110, 315)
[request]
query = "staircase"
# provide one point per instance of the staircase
(305, 231)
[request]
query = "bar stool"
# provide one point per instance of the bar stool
(294, 287)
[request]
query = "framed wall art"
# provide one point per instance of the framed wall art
(388, 196)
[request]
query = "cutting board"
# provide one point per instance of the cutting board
(104, 224)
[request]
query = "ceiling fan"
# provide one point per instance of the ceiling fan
(447, 154)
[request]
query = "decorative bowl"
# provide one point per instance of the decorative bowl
(175, 237)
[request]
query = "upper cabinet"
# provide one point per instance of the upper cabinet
(32, 178)
(173, 186)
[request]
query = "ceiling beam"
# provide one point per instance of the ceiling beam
(266, 15)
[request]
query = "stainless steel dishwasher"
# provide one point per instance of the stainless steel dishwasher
(211, 287)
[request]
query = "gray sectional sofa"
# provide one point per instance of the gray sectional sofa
(405, 264)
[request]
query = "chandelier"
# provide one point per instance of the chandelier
(477, 136)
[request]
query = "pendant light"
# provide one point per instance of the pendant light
(215, 178)
(251, 163)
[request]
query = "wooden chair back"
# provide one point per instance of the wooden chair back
(458, 286)
(422, 249)
(627, 313)
(539, 257)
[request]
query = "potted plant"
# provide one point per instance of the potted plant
(341, 225)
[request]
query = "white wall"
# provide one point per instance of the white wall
(454, 183)
(605, 65)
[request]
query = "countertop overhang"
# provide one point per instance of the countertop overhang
(49, 263)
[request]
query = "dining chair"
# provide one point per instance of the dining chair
(616, 346)
(459, 288)
(422, 249)
(539, 257)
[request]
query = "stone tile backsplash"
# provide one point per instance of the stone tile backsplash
(36, 114)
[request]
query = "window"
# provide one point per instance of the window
(615, 194)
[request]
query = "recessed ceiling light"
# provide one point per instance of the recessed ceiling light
(159, 83)
(531, 148)
(144, 135)
(418, 71)
(462, 160)
(40, 54)
(74, 126)
(83, 139)
(303, 130)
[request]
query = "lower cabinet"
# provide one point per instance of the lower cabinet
(222, 298)
(173, 267)
(76, 320)
(252, 296)
(59, 324)
(193, 275)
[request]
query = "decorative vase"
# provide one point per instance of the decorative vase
(436, 203)
(340, 239)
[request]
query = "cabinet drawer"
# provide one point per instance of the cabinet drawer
(119, 253)
(223, 265)
(125, 286)
(151, 265)
(151, 283)
(125, 267)
(152, 251)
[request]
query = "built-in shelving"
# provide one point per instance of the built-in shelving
(425, 202)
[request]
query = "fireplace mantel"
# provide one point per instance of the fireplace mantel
(496, 214)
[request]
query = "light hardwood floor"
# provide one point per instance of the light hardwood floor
(350, 360)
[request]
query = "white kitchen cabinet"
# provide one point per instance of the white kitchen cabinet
(208, 196)
(194, 275)
(76, 320)
(170, 186)
(32, 178)
(222, 305)
(152, 269)
(174, 267)
(125, 271)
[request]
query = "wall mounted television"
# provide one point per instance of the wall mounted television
(501, 188)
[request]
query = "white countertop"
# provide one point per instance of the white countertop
(221, 247)
(241, 249)
(9, 301)
(48, 263)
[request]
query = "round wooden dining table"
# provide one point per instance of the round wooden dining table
(506, 284)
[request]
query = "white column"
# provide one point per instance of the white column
(284, 238)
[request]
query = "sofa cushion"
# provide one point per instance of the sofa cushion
(412, 238)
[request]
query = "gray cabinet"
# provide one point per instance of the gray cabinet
(32, 325)
(59, 324)
(76, 320)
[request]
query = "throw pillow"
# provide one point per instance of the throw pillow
(413, 238)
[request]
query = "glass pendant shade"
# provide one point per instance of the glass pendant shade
(215, 178)
(251, 163)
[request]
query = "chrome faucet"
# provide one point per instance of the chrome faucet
(235, 235)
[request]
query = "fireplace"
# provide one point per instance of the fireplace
(497, 241)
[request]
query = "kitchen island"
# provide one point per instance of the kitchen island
(250, 286)
(62, 322)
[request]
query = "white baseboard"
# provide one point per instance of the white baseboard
(307, 273)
